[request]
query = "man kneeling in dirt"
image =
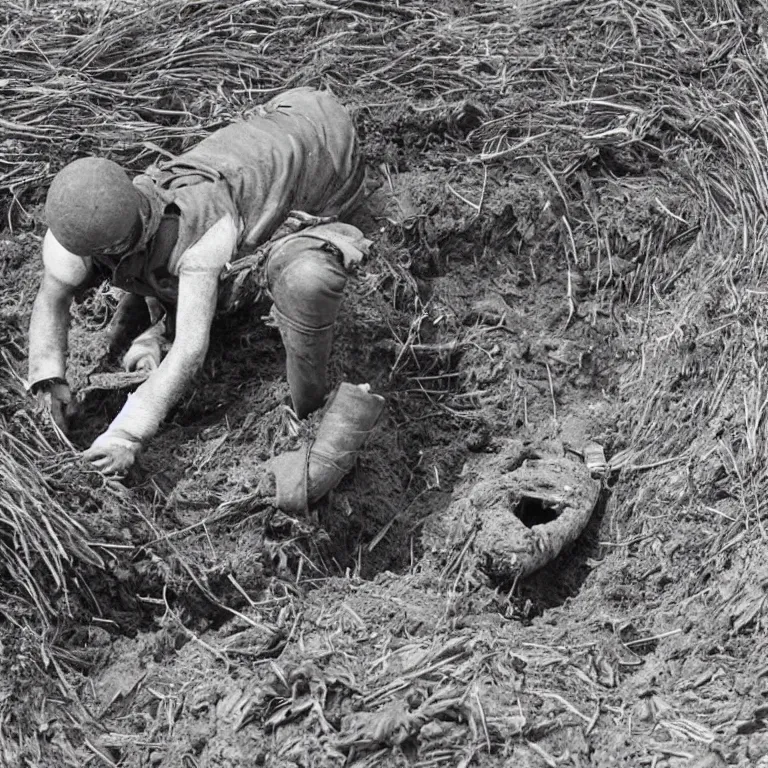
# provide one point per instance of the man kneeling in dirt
(168, 237)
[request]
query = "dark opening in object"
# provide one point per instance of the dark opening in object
(532, 512)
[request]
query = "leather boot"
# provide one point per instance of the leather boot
(306, 475)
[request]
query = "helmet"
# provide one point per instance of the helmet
(93, 208)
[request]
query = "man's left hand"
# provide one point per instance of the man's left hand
(112, 454)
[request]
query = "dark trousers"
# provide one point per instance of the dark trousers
(306, 280)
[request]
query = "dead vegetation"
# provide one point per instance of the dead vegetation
(580, 239)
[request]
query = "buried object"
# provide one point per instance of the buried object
(515, 512)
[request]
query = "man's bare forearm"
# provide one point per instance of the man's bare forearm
(138, 421)
(141, 416)
(48, 332)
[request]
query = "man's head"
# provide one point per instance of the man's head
(92, 208)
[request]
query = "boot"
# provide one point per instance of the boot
(306, 475)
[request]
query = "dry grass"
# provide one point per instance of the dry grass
(41, 542)
(110, 78)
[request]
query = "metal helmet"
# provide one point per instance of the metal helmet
(93, 208)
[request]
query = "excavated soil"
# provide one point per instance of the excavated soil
(391, 626)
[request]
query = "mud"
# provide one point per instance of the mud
(482, 357)
(514, 312)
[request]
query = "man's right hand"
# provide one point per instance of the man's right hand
(55, 397)
(146, 352)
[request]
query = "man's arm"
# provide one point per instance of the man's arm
(64, 272)
(115, 450)
(48, 330)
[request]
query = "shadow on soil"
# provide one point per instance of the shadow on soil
(564, 576)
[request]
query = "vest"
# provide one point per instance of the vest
(297, 152)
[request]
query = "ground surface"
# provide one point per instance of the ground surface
(570, 247)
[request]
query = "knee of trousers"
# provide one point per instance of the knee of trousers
(306, 282)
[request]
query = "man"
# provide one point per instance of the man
(168, 237)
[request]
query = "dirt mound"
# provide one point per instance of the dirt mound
(513, 512)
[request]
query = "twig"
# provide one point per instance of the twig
(643, 640)
(564, 702)
(191, 635)
(551, 391)
(474, 206)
